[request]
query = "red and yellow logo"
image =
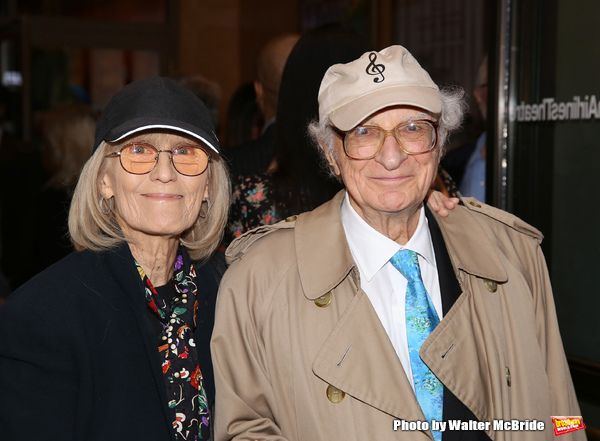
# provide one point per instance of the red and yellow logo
(564, 424)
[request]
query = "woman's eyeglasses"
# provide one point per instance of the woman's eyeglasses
(139, 158)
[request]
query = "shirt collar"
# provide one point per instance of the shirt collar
(372, 250)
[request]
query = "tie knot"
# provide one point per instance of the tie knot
(407, 262)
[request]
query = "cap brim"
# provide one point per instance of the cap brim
(352, 113)
(134, 126)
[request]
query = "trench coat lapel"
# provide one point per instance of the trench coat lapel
(357, 357)
(451, 349)
(450, 289)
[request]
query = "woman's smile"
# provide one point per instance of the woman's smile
(162, 196)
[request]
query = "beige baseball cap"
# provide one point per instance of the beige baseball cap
(351, 92)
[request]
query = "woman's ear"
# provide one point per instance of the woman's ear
(206, 192)
(106, 186)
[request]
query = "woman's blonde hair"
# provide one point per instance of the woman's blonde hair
(91, 229)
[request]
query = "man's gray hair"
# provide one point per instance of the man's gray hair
(454, 108)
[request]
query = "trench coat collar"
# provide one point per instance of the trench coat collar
(322, 252)
(324, 257)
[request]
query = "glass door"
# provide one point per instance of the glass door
(552, 161)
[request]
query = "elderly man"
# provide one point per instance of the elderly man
(372, 318)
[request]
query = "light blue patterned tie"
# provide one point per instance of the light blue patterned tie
(421, 320)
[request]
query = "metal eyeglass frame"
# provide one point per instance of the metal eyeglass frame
(158, 152)
(342, 134)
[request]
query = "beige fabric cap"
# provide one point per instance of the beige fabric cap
(352, 92)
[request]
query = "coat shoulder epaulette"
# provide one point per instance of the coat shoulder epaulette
(240, 246)
(508, 219)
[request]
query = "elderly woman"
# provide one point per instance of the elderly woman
(372, 318)
(112, 342)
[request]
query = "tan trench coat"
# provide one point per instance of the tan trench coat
(300, 354)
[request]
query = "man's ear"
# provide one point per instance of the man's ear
(330, 155)
(260, 95)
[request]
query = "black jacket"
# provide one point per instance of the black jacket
(78, 356)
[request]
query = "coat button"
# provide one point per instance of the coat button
(475, 204)
(490, 285)
(324, 300)
(334, 394)
(508, 381)
(291, 218)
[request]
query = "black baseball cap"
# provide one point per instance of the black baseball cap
(154, 104)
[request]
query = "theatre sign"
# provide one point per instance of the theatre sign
(586, 108)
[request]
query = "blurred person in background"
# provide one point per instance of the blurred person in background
(207, 90)
(68, 139)
(22, 178)
(244, 118)
(466, 164)
(112, 342)
(295, 181)
(256, 156)
(473, 180)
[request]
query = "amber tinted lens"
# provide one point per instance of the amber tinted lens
(190, 160)
(138, 158)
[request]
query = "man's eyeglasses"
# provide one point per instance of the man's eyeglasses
(139, 158)
(365, 142)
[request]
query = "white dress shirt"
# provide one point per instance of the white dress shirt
(385, 285)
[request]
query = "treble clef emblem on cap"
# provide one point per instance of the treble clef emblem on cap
(375, 69)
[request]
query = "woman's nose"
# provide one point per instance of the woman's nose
(164, 169)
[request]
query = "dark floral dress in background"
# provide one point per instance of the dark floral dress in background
(252, 205)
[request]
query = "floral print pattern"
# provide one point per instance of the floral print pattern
(421, 320)
(252, 206)
(445, 184)
(186, 396)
